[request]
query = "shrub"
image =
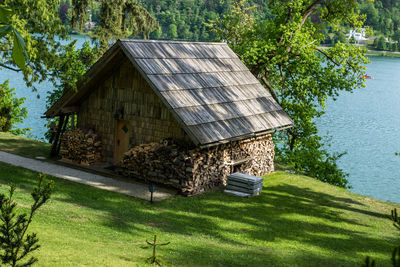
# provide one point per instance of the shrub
(11, 111)
(381, 44)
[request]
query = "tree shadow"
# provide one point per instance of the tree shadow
(24, 147)
(282, 213)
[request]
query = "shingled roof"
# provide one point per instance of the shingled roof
(207, 88)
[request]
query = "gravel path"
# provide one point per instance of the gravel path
(128, 188)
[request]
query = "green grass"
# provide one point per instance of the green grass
(296, 221)
(382, 53)
(23, 146)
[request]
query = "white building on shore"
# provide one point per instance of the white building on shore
(358, 35)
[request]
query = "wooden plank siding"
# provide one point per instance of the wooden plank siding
(150, 120)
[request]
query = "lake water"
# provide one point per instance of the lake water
(365, 123)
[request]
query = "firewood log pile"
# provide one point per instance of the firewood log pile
(194, 171)
(83, 147)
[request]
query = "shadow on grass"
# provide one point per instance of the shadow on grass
(24, 147)
(243, 227)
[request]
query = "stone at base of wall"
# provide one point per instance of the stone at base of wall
(198, 170)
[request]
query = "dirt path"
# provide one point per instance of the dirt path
(128, 188)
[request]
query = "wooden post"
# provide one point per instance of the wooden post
(62, 131)
(53, 152)
(73, 121)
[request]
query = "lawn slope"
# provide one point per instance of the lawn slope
(23, 146)
(296, 221)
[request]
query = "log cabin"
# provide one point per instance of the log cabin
(142, 94)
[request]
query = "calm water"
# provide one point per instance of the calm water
(366, 124)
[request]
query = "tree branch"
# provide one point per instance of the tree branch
(283, 76)
(309, 11)
(10, 68)
(270, 89)
(327, 56)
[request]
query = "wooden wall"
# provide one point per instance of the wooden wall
(125, 88)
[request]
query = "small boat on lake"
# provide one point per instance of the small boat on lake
(367, 77)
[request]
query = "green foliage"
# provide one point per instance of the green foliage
(15, 243)
(118, 19)
(11, 112)
(73, 65)
(381, 43)
(394, 47)
(172, 32)
(311, 158)
(32, 18)
(155, 259)
(19, 54)
(283, 52)
(382, 16)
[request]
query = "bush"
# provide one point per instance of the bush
(11, 111)
(381, 44)
(313, 160)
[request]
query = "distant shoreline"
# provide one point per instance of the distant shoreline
(382, 53)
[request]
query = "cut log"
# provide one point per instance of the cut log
(81, 147)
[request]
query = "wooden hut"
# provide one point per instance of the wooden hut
(212, 114)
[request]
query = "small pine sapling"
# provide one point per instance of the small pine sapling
(155, 259)
(15, 243)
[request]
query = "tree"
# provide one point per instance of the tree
(31, 19)
(15, 242)
(73, 65)
(11, 111)
(118, 19)
(394, 47)
(381, 43)
(172, 32)
(283, 53)
(64, 7)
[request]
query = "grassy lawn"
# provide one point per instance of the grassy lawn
(296, 221)
(23, 146)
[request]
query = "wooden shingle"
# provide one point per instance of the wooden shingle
(210, 92)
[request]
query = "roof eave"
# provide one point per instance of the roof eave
(55, 109)
(247, 136)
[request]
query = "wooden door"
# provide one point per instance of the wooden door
(122, 130)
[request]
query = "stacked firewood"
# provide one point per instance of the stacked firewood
(164, 162)
(81, 147)
(194, 171)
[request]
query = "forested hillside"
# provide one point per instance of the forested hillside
(185, 19)
(178, 19)
(383, 16)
